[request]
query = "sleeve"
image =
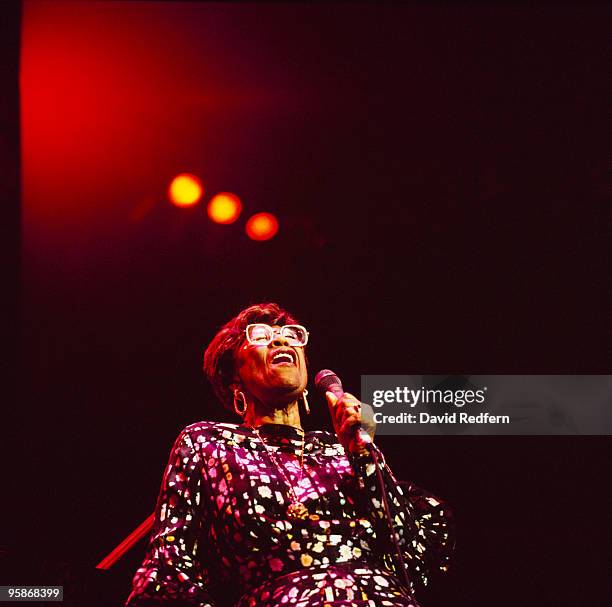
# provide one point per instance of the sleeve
(170, 573)
(424, 525)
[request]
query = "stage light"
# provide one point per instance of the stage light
(224, 208)
(262, 226)
(185, 190)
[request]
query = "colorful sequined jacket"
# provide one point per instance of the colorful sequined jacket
(222, 535)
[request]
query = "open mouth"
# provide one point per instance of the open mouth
(283, 358)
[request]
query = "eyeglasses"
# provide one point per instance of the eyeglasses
(261, 334)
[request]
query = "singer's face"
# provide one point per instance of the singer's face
(275, 374)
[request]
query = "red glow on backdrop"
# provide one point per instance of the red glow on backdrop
(262, 226)
(185, 190)
(115, 97)
(224, 208)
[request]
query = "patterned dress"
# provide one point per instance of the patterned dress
(222, 536)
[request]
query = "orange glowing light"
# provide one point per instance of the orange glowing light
(224, 208)
(262, 226)
(185, 190)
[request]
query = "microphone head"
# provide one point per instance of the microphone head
(326, 378)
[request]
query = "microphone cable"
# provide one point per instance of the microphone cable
(389, 520)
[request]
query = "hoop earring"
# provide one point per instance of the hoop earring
(305, 401)
(239, 396)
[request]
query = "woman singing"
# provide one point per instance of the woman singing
(263, 514)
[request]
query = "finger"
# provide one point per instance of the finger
(340, 408)
(349, 399)
(351, 411)
(350, 406)
(347, 428)
(352, 415)
(332, 401)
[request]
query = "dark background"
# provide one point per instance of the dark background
(441, 176)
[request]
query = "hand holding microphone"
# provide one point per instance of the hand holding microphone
(345, 412)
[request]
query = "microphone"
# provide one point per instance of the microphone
(327, 381)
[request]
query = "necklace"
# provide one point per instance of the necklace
(296, 509)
